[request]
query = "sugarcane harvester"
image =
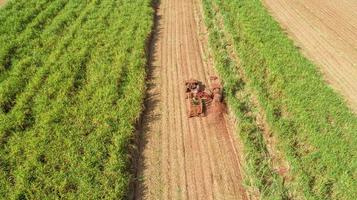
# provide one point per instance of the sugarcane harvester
(202, 101)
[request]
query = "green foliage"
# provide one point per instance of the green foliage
(313, 125)
(70, 97)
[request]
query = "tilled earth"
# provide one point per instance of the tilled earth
(2, 2)
(327, 33)
(184, 158)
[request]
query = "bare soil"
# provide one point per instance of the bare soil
(327, 33)
(2, 2)
(184, 158)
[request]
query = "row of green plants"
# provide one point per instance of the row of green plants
(14, 20)
(66, 131)
(25, 54)
(313, 126)
(18, 14)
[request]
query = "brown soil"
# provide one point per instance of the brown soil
(184, 158)
(2, 2)
(327, 33)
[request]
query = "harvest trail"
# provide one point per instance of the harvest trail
(183, 158)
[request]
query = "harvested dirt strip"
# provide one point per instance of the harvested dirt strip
(183, 158)
(327, 33)
(2, 2)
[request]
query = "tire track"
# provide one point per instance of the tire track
(197, 122)
(171, 102)
(181, 175)
(190, 167)
(181, 141)
(188, 71)
(196, 157)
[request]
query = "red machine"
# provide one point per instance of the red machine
(201, 100)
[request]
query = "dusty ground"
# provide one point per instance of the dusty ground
(2, 2)
(327, 32)
(183, 158)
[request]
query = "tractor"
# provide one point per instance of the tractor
(202, 101)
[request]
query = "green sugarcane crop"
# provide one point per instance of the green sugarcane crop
(72, 86)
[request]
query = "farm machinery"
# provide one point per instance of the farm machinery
(202, 101)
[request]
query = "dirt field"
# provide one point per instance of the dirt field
(2, 2)
(184, 158)
(327, 33)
